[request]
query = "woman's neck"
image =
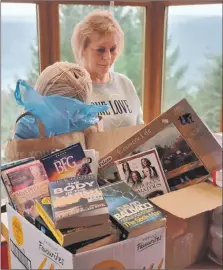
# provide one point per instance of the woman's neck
(96, 78)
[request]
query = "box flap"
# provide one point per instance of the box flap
(191, 201)
(107, 141)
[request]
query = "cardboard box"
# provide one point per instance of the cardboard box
(187, 222)
(105, 142)
(186, 208)
(31, 249)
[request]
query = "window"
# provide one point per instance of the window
(193, 60)
(19, 56)
(132, 22)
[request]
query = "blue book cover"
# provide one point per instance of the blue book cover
(68, 162)
(129, 211)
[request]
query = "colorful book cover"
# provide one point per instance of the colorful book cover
(28, 181)
(127, 209)
(75, 195)
(64, 237)
(25, 175)
(68, 162)
(5, 178)
(25, 199)
(144, 174)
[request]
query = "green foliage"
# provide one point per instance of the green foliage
(33, 73)
(174, 88)
(208, 100)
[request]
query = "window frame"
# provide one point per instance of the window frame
(156, 17)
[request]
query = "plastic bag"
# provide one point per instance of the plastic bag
(58, 114)
(215, 244)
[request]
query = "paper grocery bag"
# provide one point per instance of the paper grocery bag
(38, 147)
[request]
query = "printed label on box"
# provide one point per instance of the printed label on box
(31, 249)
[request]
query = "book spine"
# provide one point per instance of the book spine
(45, 230)
(123, 232)
(58, 235)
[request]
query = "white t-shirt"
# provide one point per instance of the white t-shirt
(120, 94)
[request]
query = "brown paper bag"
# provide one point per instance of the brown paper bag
(38, 147)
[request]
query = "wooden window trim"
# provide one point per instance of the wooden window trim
(191, 2)
(121, 3)
(49, 39)
(154, 40)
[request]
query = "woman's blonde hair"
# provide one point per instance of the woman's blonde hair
(65, 79)
(101, 22)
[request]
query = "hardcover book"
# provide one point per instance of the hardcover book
(186, 147)
(68, 162)
(132, 214)
(66, 237)
(77, 201)
(143, 173)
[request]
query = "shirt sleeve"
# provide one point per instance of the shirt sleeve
(139, 119)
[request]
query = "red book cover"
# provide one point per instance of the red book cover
(26, 175)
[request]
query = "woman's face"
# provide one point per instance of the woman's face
(134, 177)
(146, 171)
(125, 166)
(100, 53)
(144, 163)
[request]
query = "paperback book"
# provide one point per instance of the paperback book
(68, 162)
(132, 214)
(28, 181)
(77, 201)
(69, 236)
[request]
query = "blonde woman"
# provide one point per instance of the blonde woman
(97, 42)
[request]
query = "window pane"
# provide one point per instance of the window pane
(131, 20)
(193, 64)
(19, 59)
(19, 53)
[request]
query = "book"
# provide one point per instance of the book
(132, 214)
(67, 162)
(92, 159)
(143, 172)
(83, 246)
(28, 181)
(5, 179)
(66, 237)
(25, 175)
(77, 201)
(92, 244)
(186, 147)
